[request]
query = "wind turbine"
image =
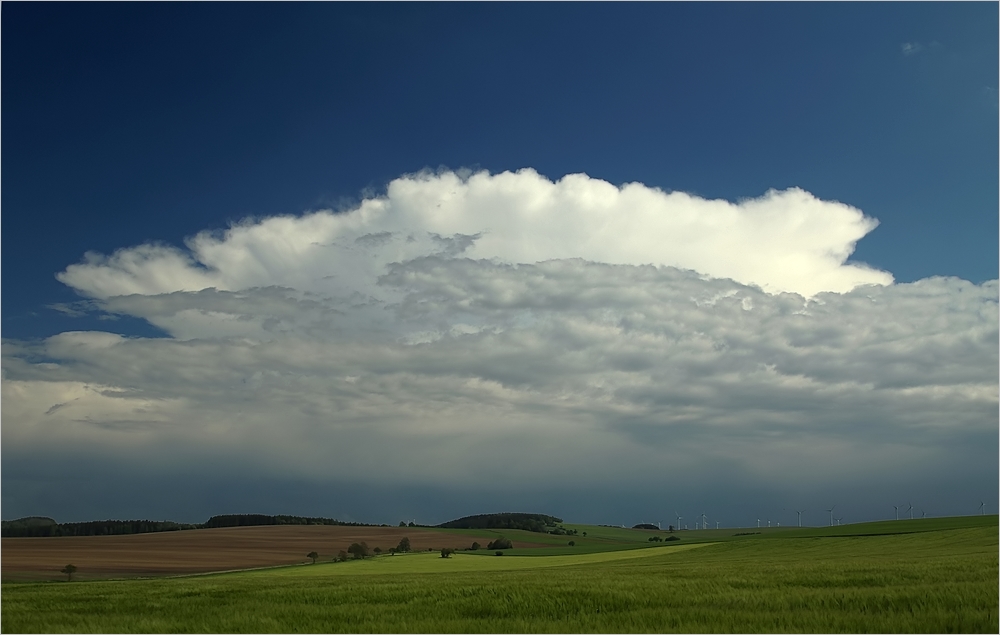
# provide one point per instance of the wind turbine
(831, 514)
(982, 512)
(678, 519)
(839, 519)
(799, 513)
(769, 523)
(704, 525)
(716, 524)
(910, 510)
(896, 507)
(758, 523)
(923, 514)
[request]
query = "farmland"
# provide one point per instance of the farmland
(912, 576)
(206, 550)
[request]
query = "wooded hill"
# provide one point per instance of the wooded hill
(539, 523)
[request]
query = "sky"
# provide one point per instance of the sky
(617, 263)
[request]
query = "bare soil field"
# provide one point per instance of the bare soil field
(205, 550)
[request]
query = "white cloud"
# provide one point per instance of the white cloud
(782, 241)
(509, 329)
(911, 48)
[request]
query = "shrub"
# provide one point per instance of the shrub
(342, 556)
(359, 550)
(572, 543)
(446, 552)
(499, 553)
(501, 543)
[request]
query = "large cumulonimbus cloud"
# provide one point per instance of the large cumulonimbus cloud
(784, 241)
(483, 328)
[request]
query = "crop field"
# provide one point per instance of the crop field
(938, 576)
(205, 550)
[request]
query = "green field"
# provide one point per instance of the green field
(908, 576)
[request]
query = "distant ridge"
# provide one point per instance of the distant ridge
(41, 526)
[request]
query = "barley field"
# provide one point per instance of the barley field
(871, 579)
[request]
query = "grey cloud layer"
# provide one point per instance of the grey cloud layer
(483, 367)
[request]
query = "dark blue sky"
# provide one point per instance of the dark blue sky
(126, 123)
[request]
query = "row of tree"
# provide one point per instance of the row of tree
(38, 526)
(360, 550)
(42, 527)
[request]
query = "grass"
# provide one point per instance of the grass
(942, 578)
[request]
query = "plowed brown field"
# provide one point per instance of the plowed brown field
(204, 550)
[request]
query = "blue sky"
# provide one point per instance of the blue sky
(144, 125)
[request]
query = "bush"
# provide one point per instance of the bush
(446, 552)
(377, 550)
(572, 543)
(499, 553)
(342, 556)
(475, 546)
(359, 550)
(501, 543)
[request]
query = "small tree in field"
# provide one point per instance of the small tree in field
(69, 570)
(312, 555)
(501, 543)
(446, 552)
(359, 550)
(342, 556)
(404, 545)
(377, 550)
(475, 546)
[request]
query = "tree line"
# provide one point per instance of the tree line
(39, 526)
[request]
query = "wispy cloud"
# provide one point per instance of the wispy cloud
(911, 48)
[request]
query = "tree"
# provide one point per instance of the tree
(342, 556)
(572, 543)
(313, 555)
(475, 546)
(377, 550)
(404, 545)
(402, 523)
(501, 543)
(584, 533)
(411, 524)
(499, 553)
(359, 550)
(446, 552)
(69, 570)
